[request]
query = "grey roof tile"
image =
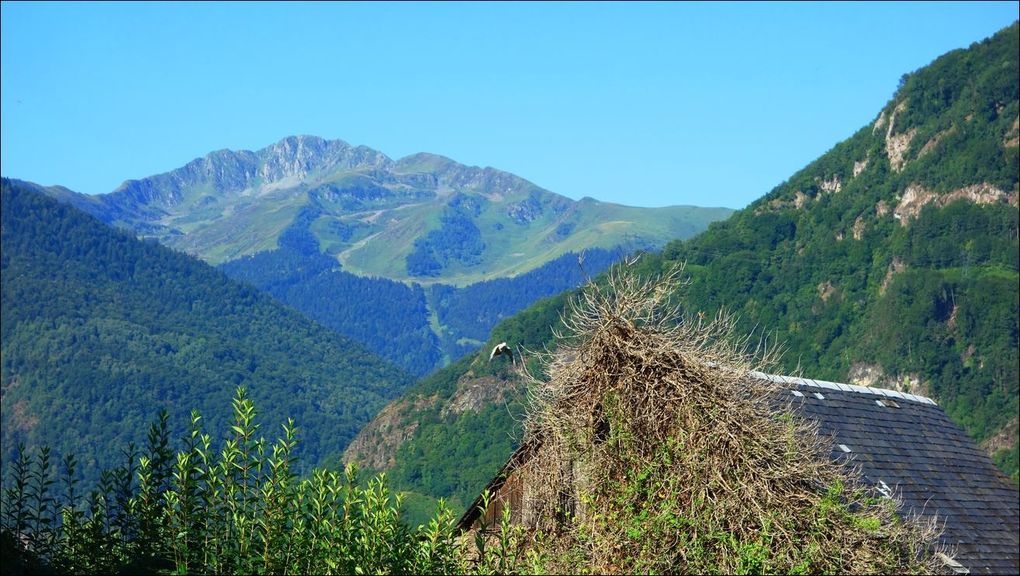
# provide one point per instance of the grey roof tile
(929, 462)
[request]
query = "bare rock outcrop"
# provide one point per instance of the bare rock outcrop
(375, 447)
(896, 145)
(916, 197)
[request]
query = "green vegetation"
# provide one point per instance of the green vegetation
(641, 493)
(929, 296)
(474, 310)
(457, 241)
(240, 508)
(927, 302)
(392, 319)
(237, 508)
(935, 301)
(334, 239)
(389, 318)
(461, 242)
(100, 329)
(453, 454)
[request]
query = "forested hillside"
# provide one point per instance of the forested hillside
(101, 331)
(418, 328)
(388, 317)
(450, 432)
(675, 487)
(469, 314)
(892, 260)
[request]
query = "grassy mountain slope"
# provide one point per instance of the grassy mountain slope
(424, 218)
(101, 331)
(892, 260)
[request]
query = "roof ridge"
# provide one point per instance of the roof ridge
(841, 387)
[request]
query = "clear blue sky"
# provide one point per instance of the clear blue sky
(641, 104)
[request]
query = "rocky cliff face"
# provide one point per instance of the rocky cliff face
(291, 160)
(301, 156)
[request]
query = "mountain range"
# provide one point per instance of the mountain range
(892, 260)
(101, 331)
(422, 218)
(331, 229)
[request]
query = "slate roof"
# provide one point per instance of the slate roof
(907, 446)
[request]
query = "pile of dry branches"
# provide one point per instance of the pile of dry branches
(658, 453)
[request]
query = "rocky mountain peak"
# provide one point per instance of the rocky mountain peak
(292, 160)
(299, 156)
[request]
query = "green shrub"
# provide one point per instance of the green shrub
(239, 509)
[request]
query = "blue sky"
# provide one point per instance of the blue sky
(643, 104)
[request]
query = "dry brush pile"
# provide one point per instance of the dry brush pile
(655, 452)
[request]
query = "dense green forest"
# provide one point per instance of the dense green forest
(334, 238)
(473, 311)
(393, 319)
(861, 277)
(388, 317)
(101, 331)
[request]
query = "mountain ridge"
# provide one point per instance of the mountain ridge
(419, 218)
(288, 157)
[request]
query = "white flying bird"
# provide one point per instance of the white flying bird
(502, 349)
